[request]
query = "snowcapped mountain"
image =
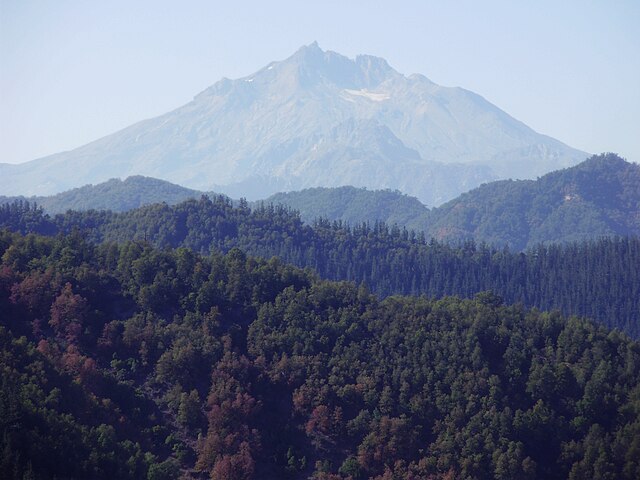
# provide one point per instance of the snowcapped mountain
(315, 119)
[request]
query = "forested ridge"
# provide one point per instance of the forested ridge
(127, 361)
(354, 206)
(599, 279)
(115, 194)
(599, 197)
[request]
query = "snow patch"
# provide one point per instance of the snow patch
(374, 96)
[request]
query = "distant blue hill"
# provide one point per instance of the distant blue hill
(115, 195)
(599, 197)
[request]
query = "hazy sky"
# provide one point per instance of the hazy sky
(72, 71)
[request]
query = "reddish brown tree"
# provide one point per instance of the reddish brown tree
(68, 313)
(229, 449)
(35, 292)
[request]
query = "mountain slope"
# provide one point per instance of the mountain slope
(314, 119)
(577, 279)
(115, 194)
(598, 197)
(128, 362)
(352, 205)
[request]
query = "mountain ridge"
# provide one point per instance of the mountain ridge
(598, 197)
(290, 123)
(388, 259)
(114, 194)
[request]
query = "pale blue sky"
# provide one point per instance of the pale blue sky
(72, 71)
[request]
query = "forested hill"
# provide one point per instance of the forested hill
(353, 205)
(116, 195)
(132, 362)
(598, 197)
(598, 279)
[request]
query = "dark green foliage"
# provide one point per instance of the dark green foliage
(25, 217)
(352, 205)
(116, 195)
(231, 367)
(598, 279)
(600, 196)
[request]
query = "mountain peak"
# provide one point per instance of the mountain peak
(312, 47)
(369, 62)
(312, 50)
(278, 123)
(604, 161)
(315, 65)
(374, 69)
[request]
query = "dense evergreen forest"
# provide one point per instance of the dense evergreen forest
(599, 279)
(354, 206)
(599, 197)
(115, 194)
(128, 361)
